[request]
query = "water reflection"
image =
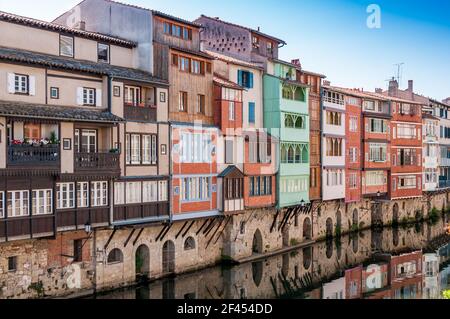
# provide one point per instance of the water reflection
(403, 263)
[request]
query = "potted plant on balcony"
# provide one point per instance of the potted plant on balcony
(114, 150)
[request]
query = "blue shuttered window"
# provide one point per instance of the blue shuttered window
(251, 112)
(245, 79)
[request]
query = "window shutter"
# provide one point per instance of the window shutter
(98, 98)
(175, 59)
(250, 80)
(208, 67)
(11, 80)
(240, 77)
(80, 96)
(32, 85)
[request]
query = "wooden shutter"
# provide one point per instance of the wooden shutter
(202, 67)
(190, 34)
(11, 81)
(80, 96)
(32, 85)
(208, 67)
(175, 59)
(250, 81)
(98, 98)
(239, 77)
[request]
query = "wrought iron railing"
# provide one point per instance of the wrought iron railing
(33, 155)
(97, 161)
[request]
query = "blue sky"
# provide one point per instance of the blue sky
(329, 36)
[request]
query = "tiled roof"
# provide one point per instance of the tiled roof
(67, 113)
(429, 116)
(232, 60)
(226, 83)
(298, 67)
(354, 92)
(314, 73)
(9, 17)
(296, 83)
(77, 65)
(188, 51)
(231, 169)
(249, 29)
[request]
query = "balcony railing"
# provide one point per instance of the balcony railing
(140, 112)
(33, 155)
(97, 161)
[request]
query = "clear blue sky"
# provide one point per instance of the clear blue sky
(329, 36)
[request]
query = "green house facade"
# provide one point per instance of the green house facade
(286, 117)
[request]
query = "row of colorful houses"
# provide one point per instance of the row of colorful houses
(116, 115)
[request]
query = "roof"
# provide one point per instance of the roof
(429, 116)
(14, 18)
(77, 65)
(295, 66)
(230, 170)
(296, 83)
(406, 95)
(188, 51)
(67, 113)
(249, 29)
(314, 73)
(232, 60)
(396, 99)
(220, 80)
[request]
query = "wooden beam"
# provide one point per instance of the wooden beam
(274, 220)
(110, 238)
(165, 233)
(215, 232)
(200, 229)
(187, 230)
(209, 226)
(138, 235)
(181, 229)
(221, 232)
(160, 233)
(129, 237)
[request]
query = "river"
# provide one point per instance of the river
(393, 263)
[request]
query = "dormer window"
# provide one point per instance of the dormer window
(103, 53)
(66, 46)
(255, 42)
(269, 47)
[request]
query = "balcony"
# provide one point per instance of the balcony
(143, 112)
(24, 155)
(444, 183)
(98, 161)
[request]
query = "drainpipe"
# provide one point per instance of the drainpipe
(109, 93)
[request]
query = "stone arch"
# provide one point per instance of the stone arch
(338, 222)
(395, 214)
(329, 248)
(168, 257)
(189, 243)
(329, 227)
(355, 217)
(395, 237)
(307, 229)
(257, 245)
(115, 256)
(142, 261)
(257, 272)
(355, 243)
(307, 257)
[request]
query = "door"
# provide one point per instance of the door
(86, 141)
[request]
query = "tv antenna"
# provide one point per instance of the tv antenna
(399, 73)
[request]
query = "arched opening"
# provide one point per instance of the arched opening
(329, 227)
(288, 121)
(283, 154)
(298, 154)
(115, 256)
(395, 237)
(142, 261)
(168, 257)
(257, 245)
(189, 243)
(329, 248)
(355, 243)
(307, 257)
(307, 233)
(395, 214)
(338, 223)
(355, 218)
(299, 122)
(291, 154)
(257, 272)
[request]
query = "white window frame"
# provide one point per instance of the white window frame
(231, 111)
(163, 195)
(2, 204)
(69, 45)
(89, 96)
(21, 84)
(135, 142)
(65, 195)
(195, 189)
(119, 193)
(133, 193)
(102, 46)
(149, 191)
(82, 194)
(99, 194)
(44, 208)
(353, 123)
(24, 203)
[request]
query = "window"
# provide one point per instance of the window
(294, 153)
(353, 123)
(334, 118)
(229, 151)
(12, 263)
(378, 126)
(407, 182)
(167, 28)
(66, 46)
(201, 104)
(135, 149)
(378, 152)
(231, 111)
(183, 103)
(65, 195)
(189, 244)
(255, 42)
(334, 177)
(42, 202)
(375, 178)
(353, 155)
(149, 191)
(176, 31)
(2, 204)
(183, 64)
(332, 97)
(18, 203)
(333, 146)
(133, 192)
(103, 53)
(260, 185)
(115, 256)
(233, 188)
(231, 95)
(82, 194)
(195, 189)
(407, 157)
(88, 96)
(251, 112)
(406, 131)
(149, 147)
(99, 194)
(119, 193)
(21, 83)
(32, 131)
(77, 250)
(196, 67)
(430, 175)
(132, 95)
(54, 93)
(245, 79)
(269, 48)
(294, 185)
(195, 148)
(353, 181)
(294, 121)
(187, 33)
(369, 105)
(138, 153)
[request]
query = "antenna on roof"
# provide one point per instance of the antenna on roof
(399, 73)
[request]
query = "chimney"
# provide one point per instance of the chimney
(326, 83)
(393, 87)
(379, 91)
(446, 101)
(82, 25)
(410, 85)
(296, 62)
(259, 28)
